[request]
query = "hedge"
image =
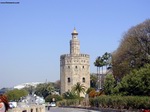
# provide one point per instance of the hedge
(121, 102)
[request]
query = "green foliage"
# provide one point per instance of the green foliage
(134, 50)
(78, 88)
(103, 60)
(70, 95)
(56, 97)
(100, 62)
(109, 84)
(30, 89)
(93, 80)
(57, 86)
(122, 102)
(16, 94)
(44, 89)
(69, 102)
(89, 90)
(136, 83)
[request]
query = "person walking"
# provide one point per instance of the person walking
(4, 104)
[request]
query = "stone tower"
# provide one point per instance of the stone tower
(74, 67)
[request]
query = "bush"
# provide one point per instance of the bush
(50, 97)
(70, 95)
(136, 83)
(109, 84)
(68, 102)
(122, 102)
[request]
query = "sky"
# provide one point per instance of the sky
(34, 33)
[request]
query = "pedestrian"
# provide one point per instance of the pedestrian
(4, 104)
(48, 107)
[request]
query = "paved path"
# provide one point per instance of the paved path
(58, 109)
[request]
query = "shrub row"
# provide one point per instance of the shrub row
(121, 102)
(68, 102)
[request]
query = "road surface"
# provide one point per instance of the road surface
(58, 109)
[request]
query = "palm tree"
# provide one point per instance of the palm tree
(79, 88)
(106, 59)
(70, 95)
(99, 63)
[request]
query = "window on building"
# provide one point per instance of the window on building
(68, 80)
(83, 67)
(68, 66)
(76, 67)
(83, 79)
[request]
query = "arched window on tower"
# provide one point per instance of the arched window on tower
(69, 80)
(83, 79)
(76, 67)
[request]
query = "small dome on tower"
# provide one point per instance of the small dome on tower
(74, 32)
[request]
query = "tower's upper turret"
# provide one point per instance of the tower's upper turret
(74, 32)
(74, 43)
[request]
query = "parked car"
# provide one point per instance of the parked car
(53, 104)
(12, 104)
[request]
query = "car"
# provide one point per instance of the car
(12, 104)
(52, 104)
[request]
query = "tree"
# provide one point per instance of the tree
(101, 61)
(107, 59)
(109, 84)
(16, 94)
(57, 86)
(136, 82)
(44, 89)
(50, 98)
(92, 93)
(133, 51)
(78, 88)
(30, 89)
(90, 89)
(93, 81)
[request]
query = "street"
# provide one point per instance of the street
(58, 109)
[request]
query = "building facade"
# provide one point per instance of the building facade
(74, 67)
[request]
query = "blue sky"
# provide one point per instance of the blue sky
(34, 33)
